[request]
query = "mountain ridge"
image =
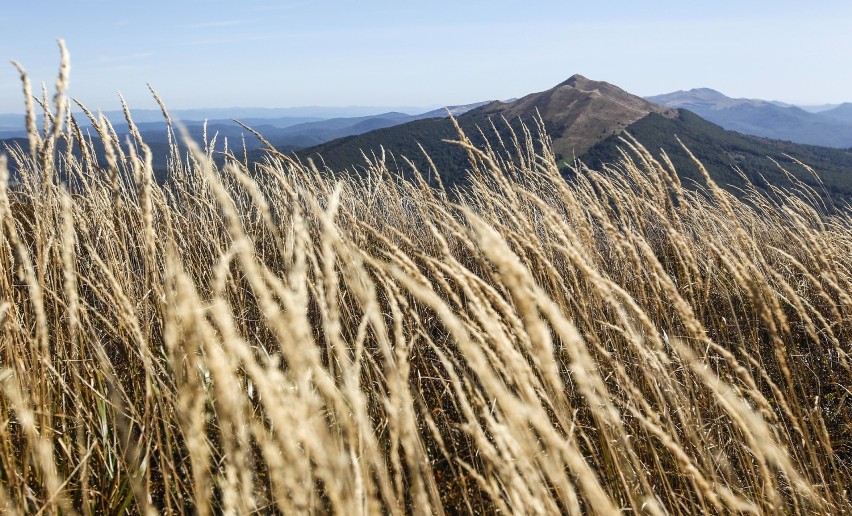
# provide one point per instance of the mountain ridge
(586, 109)
(596, 114)
(842, 112)
(763, 118)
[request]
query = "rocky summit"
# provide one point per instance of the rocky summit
(582, 112)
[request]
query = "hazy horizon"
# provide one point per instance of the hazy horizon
(209, 54)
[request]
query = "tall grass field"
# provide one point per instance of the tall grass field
(280, 338)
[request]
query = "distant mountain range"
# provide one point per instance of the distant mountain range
(321, 131)
(829, 127)
(285, 132)
(842, 112)
(585, 119)
(810, 108)
(12, 124)
(15, 121)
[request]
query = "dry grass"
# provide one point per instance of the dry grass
(272, 339)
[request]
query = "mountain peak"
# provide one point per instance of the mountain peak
(581, 83)
(581, 110)
(703, 97)
(575, 80)
(708, 92)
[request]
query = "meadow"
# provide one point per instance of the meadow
(278, 337)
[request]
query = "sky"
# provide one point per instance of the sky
(263, 53)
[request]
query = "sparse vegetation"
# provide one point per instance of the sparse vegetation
(277, 338)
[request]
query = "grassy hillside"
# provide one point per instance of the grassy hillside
(349, 152)
(427, 144)
(722, 152)
(243, 340)
(719, 150)
(576, 114)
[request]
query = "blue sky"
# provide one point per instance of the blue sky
(212, 53)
